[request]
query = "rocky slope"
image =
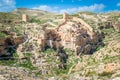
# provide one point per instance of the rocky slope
(33, 13)
(104, 64)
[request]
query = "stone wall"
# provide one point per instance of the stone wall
(117, 27)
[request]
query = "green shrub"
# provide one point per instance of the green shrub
(2, 35)
(35, 20)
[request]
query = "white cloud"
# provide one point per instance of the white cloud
(93, 8)
(47, 8)
(118, 4)
(7, 5)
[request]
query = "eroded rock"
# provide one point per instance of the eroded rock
(9, 44)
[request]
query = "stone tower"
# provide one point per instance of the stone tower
(65, 16)
(24, 17)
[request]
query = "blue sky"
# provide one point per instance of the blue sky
(61, 6)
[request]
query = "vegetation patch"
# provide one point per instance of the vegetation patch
(2, 35)
(108, 74)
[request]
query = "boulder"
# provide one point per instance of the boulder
(111, 67)
(78, 66)
(19, 51)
